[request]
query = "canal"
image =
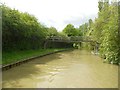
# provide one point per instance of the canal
(69, 69)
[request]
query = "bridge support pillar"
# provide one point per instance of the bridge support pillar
(45, 44)
(96, 48)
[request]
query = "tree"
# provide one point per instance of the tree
(79, 30)
(52, 31)
(69, 30)
(109, 44)
(83, 28)
(21, 30)
(105, 31)
(100, 5)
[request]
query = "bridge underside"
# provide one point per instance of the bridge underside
(73, 39)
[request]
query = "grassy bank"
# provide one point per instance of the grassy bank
(13, 56)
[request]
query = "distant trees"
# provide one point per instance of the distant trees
(52, 31)
(84, 28)
(69, 30)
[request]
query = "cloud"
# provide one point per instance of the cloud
(77, 21)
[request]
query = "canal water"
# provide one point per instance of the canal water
(69, 69)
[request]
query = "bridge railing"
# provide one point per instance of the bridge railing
(71, 38)
(53, 38)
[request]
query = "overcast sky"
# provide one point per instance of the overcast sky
(57, 13)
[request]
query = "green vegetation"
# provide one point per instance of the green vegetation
(52, 32)
(23, 36)
(69, 30)
(14, 56)
(21, 30)
(104, 30)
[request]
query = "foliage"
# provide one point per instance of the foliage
(52, 31)
(109, 43)
(21, 30)
(69, 30)
(82, 30)
(14, 56)
(104, 30)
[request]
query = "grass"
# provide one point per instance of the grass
(13, 56)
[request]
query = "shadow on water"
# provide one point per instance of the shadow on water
(29, 69)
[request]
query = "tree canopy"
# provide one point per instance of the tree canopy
(70, 30)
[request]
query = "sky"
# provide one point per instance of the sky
(57, 13)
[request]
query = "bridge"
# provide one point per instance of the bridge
(71, 39)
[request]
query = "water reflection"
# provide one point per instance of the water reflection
(70, 69)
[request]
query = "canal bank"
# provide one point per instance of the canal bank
(31, 57)
(69, 69)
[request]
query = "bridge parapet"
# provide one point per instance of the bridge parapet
(70, 39)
